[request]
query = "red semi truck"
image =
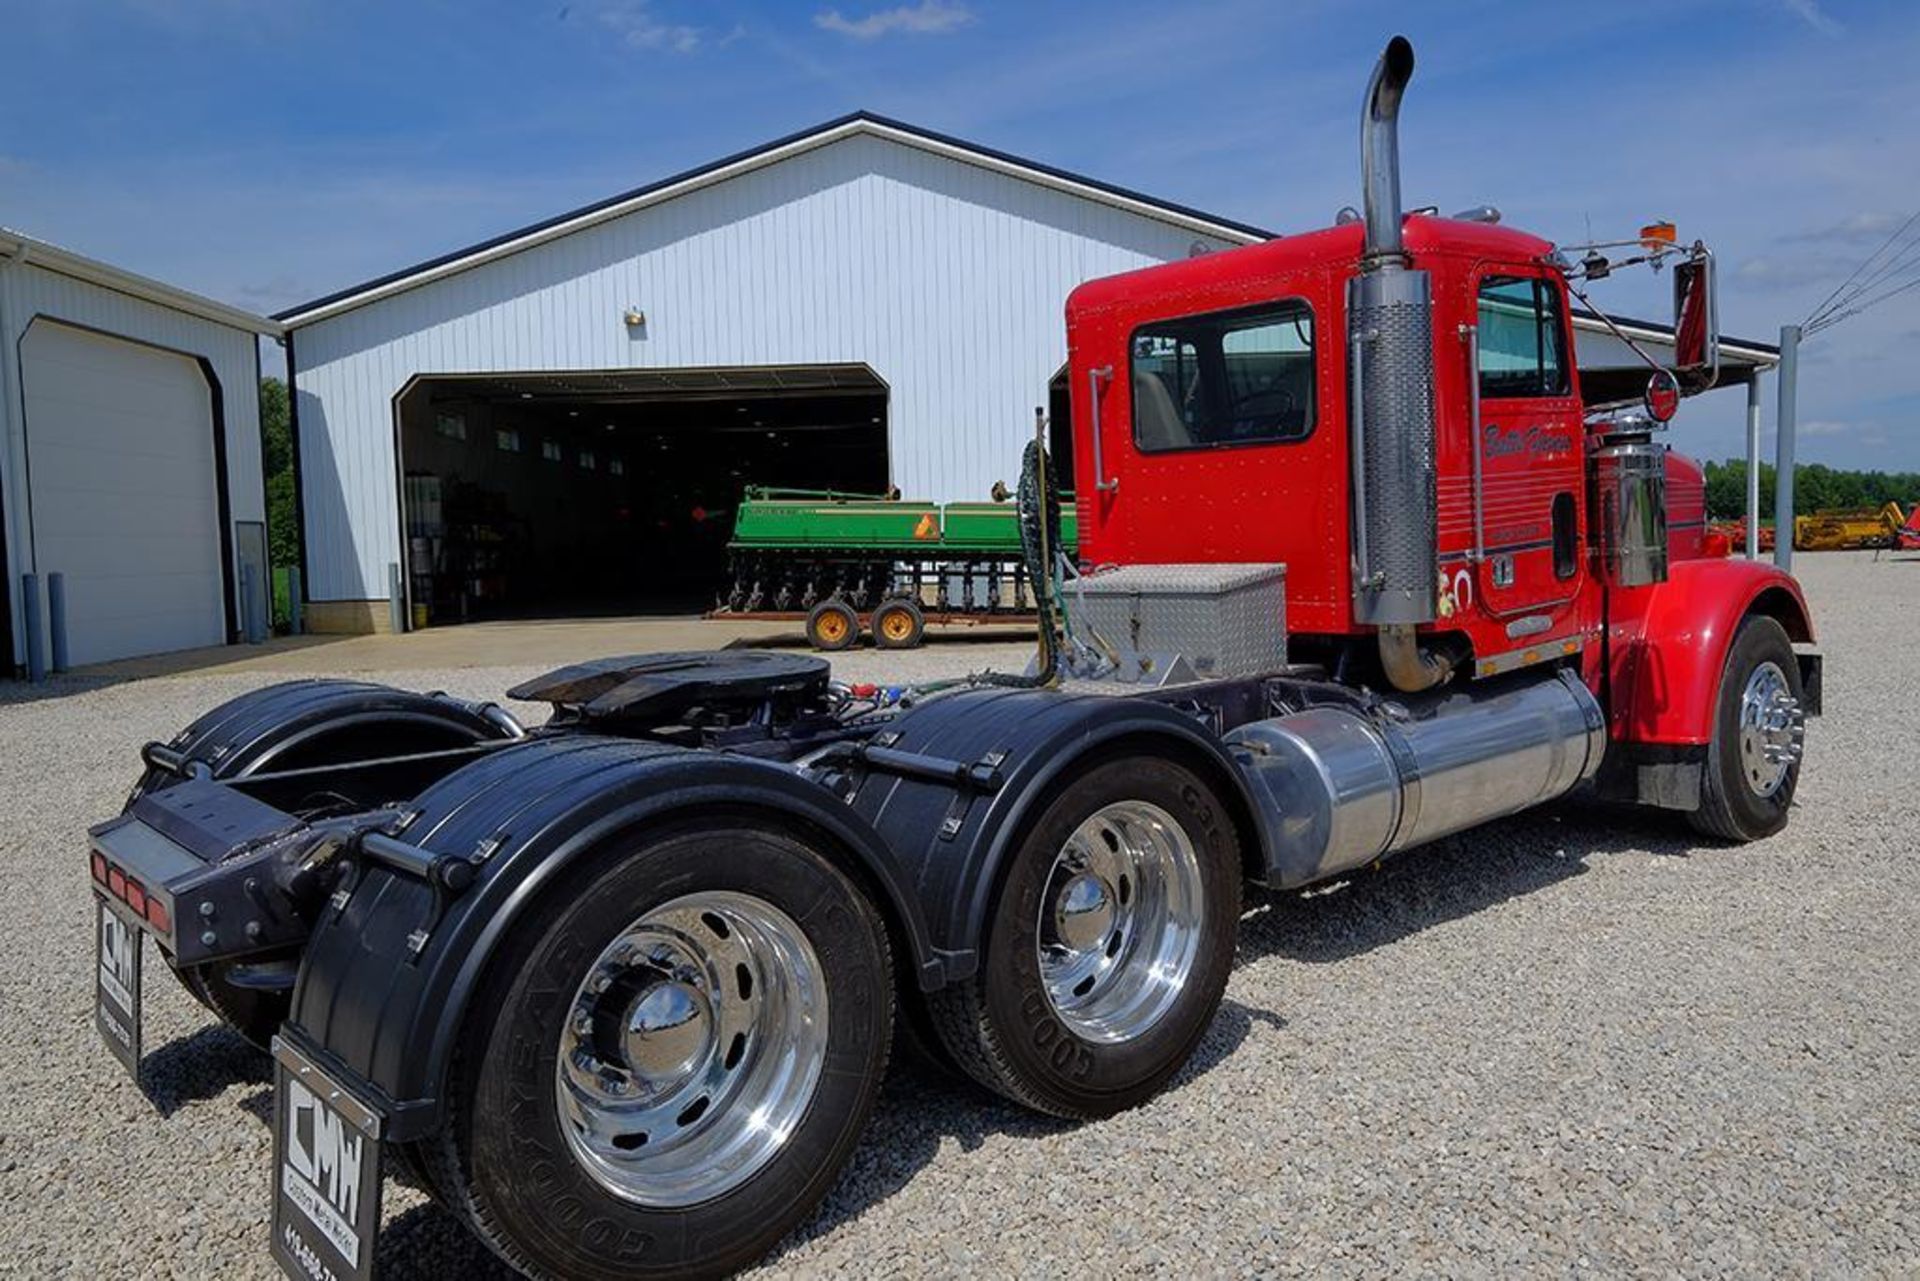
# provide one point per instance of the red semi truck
(619, 990)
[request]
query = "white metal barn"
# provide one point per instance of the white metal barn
(860, 305)
(562, 419)
(130, 412)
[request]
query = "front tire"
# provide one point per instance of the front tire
(1753, 760)
(680, 1060)
(1109, 946)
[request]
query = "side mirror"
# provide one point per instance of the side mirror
(1662, 397)
(1696, 321)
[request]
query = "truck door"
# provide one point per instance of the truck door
(1531, 496)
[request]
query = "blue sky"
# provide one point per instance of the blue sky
(269, 151)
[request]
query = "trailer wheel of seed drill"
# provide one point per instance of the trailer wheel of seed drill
(1357, 568)
(852, 564)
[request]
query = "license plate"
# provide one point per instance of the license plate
(326, 1173)
(116, 985)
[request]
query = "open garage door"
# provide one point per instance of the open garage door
(574, 494)
(124, 491)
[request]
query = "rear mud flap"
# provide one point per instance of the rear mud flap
(326, 1173)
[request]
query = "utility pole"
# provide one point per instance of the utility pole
(1753, 466)
(1783, 447)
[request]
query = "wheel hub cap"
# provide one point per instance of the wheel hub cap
(1772, 730)
(1085, 912)
(1120, 919)
(669, 1030)
(692, 1049)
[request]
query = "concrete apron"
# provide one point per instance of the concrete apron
(549, 643)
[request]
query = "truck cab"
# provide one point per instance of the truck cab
(1220, 416)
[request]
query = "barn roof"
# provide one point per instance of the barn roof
(857, 124)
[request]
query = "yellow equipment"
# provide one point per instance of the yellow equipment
(1833, 531)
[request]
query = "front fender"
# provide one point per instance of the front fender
(1668, 644)
(389, 975)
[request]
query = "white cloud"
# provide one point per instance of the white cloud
(1810, 12)
(928, 18)
(1855, 229)
(1825, 427)
(1792, 271)
(636, 24)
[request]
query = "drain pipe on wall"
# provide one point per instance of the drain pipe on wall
(13, 443)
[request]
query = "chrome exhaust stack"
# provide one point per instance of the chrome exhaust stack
(1390, 352)
(1380, 150)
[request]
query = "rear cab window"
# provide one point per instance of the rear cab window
(1241, 377)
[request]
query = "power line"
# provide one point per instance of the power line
(1874, 301)
(1878, 268)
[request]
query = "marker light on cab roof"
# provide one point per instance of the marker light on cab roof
(1656, 234)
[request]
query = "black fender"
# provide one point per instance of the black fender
(951, 839)
(309, 722)
(392, 969)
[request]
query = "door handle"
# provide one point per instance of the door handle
(1100, 481)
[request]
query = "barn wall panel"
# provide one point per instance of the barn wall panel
(947, 278)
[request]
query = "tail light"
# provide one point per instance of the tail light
(147, 907)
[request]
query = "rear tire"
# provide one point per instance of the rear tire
(1129, 875)
(255, 1013)
(1753, 760)
(833, 626)
(731, 1060)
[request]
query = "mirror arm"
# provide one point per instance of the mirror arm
(1607, 320)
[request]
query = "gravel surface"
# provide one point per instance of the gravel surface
(1577, 1040)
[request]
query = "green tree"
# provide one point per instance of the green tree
(276, 454)
(1816, 487)
(1727, 489)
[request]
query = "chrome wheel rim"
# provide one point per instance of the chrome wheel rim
(1772, 730)
(1119, 923)
(692, 1049)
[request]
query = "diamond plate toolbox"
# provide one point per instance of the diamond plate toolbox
(1226, 620)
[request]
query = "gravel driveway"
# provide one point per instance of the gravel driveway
(1567, 1041)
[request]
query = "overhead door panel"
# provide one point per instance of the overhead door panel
(125, 491)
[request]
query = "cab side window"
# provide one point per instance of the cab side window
(1228, 378)
(1522, 339)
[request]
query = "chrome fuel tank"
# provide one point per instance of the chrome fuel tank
(1342, 788)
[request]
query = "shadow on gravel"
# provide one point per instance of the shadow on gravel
(427, 1242)
(921, 1106)
(1451, 879)
(199, 1067)
(19, 693)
